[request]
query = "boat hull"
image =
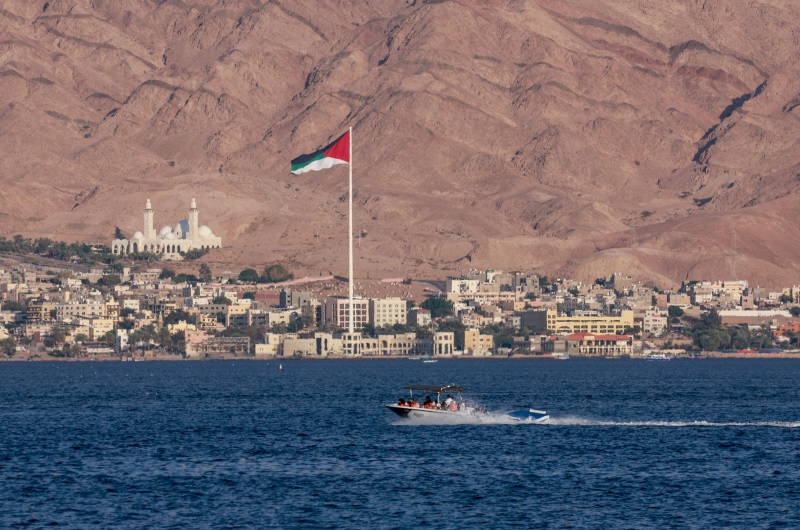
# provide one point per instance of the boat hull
(523, 416)
(419, 412)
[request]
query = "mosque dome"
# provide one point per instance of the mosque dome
(205, 231)
(165, 232)
(181, 229)
(138, 235)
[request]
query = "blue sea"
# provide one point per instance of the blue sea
(240, 444)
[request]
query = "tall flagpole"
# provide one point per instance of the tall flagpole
(350, 233)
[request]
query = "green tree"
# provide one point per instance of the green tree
(249, 276)
(295, 325)
(674, 311)
(126, 312)
(109, 280)
(221, 300)
(166, 274)
(42, 245)
(176, 316)
(81, 337)
(711, 319)
(8, 346)
(249, 295)
(109, 338)
(58, 334)
(195, 253)
(276, 273)
(795, 311)
(185, 278)
(178, 342)
(458, 331)
(163, 337)
(439, 307)
(13, 306)
(205, 273)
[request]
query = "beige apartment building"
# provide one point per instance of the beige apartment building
(474, 342)
(66, 312)
(598, 324)
(551, 321)
(387, 311)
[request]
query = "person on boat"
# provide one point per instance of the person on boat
(448, 401)
(401, 402)
(413, 403)
(428, 404)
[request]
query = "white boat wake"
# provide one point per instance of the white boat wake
(504, 419)
(575, 420)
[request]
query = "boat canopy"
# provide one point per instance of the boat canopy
(435, 388)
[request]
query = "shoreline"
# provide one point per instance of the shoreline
(175, 358)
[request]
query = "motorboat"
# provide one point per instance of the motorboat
(453, 404)
(656, 357)
(429, 360)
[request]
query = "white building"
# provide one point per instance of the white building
(387, 311)
(170, 242)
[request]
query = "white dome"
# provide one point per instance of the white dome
(181, 229)
(165, 231)
(138, 235)
(205, 231)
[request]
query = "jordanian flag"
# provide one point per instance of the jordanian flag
(336, 153)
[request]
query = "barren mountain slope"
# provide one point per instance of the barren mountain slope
(576, 137)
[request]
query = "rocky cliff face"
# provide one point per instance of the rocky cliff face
(574, 137)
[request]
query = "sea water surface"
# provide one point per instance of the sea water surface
(238, 444)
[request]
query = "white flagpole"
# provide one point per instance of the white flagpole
(350, 233)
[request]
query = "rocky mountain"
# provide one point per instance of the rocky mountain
(572, 137)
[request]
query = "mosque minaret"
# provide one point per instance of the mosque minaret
(170, 242)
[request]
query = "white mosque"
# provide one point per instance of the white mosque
(169, 242)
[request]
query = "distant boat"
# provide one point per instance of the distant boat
(657, 357)
(429, 360)
(455, 407)
(280, 367)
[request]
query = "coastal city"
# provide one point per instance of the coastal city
(148, 311)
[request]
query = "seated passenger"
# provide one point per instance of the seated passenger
(428, 404)
(448, 402)
(401, 402)
(413, 403)
(453, 407)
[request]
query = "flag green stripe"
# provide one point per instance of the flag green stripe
(304, 163)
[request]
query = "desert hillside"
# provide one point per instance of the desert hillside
(571, 137)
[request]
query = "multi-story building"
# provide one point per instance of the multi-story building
(88, 309)
(336, 311)
(98, 327)
(419, 317)
(587, 322)
(599, 345)
(387, 311)
(476, 343)
(654, 323)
